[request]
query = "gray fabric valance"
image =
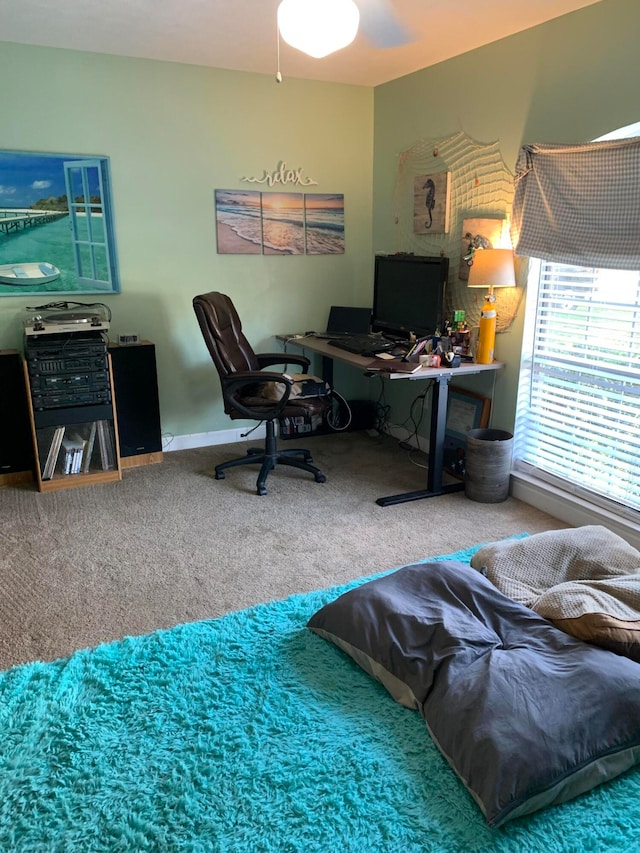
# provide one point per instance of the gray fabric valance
(579, 204)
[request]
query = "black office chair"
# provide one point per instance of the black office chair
(243, 379)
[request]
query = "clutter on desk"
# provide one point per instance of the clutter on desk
(431, 351)
(442, 354)
(396, 365)
(447, 349)
(450, 359)
(459, 334)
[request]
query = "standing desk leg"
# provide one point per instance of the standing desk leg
(327, 370)
(439, 396)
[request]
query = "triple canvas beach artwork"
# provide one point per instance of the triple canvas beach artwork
(279, 223)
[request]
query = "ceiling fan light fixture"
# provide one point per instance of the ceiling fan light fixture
(318, 27)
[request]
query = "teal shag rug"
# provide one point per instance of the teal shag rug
(248, 734)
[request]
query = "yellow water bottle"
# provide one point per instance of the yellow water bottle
(487, 333)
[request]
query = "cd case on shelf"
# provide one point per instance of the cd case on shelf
(76, 449)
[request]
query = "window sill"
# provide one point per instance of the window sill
(570, 508)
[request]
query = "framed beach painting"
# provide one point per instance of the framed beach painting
(56, 225)
(279, 223)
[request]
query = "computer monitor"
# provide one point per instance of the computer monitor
(408, 295)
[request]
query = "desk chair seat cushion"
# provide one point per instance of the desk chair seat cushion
(298, 407)
(304, 385)
(526, 715)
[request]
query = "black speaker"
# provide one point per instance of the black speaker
(16, 447)
(135, 385)
(363, 414)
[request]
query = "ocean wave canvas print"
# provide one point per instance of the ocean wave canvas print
(282, 223)
(239, 222)
(324, 223)
(279, 223)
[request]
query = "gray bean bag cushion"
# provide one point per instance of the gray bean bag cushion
(525, 715)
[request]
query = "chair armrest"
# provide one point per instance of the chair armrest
(266, 359)
(235, 384)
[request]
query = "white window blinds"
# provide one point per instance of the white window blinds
(578, 416)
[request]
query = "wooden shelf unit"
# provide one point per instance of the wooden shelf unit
(82, 421)
(136, 413)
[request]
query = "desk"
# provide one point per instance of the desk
(441, 377)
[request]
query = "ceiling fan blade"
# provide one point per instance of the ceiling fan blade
(380, 24)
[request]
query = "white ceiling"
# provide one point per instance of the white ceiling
(241, 34)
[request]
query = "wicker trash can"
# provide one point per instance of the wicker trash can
(488, 465)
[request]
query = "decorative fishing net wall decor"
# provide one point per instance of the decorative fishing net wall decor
(481, 187)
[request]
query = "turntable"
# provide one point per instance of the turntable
(66, 318)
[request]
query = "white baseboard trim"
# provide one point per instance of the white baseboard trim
(408, 437)
(230, 436)
(569, 508)
(209, 439)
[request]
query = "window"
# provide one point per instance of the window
(578, 415)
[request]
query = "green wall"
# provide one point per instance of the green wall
(175, 133)
(569, 80)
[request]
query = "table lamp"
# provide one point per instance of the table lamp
(491, 268)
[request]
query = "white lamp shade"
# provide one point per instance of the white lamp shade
(318, 27)
(492, 268)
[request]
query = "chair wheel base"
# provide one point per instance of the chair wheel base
(269, 458)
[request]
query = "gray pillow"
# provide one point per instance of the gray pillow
(526, 715)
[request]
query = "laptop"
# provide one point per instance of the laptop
(344, 322)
